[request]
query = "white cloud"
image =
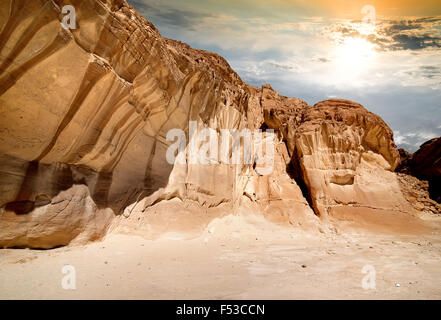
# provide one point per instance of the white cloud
(399, 139)
(413, 140)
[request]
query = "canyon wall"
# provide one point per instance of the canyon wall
(84, 120)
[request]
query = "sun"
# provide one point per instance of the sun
(355, 53)
(353, 59)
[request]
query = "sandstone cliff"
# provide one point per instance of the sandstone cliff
(85, 115)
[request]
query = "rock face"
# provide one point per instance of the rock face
(417, 193)
(85, 117)
(345, 156)
(425, 164)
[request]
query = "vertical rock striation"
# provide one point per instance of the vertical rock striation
(85, 115)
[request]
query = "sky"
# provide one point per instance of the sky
(384, 54)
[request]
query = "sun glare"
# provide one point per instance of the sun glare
(356, 53)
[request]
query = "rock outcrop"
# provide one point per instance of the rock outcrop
(417, 194)
(425, 164)
(85, 117)
(343, 154)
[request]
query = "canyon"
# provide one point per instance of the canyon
(85, 114)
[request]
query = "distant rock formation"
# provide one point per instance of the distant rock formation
(425, 164)
(85, 114)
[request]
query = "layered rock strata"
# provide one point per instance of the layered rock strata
(85, 117)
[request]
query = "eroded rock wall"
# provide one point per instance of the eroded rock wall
(85, 115)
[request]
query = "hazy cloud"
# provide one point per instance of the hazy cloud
(395, 35)
(414, 42)
(412, 141)
(161, 13)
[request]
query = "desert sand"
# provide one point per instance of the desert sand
(235, 258)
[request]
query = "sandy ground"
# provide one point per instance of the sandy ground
(233, 259)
